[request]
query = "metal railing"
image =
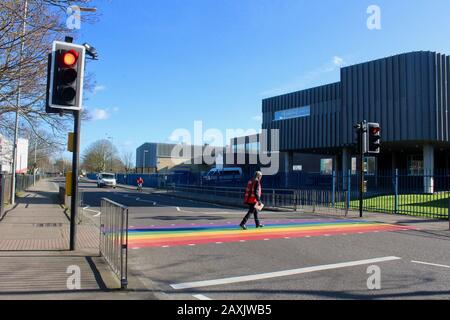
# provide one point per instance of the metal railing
(312, 201)
(114, 238)
(5, 193)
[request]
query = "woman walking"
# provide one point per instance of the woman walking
(252, 199)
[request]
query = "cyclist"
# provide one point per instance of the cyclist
(140, 182)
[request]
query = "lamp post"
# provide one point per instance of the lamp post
(111, 151)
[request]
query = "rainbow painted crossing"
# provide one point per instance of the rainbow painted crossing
(190, 234)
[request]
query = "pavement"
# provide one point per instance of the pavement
(35, 262)
(185, 249)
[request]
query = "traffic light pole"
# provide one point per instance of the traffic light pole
(75, 161)
(361, 168)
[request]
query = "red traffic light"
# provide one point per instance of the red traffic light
(68, 59)
(375, 130)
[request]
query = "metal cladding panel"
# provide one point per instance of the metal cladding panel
(149, 151)
(407, 94)
(319, 130)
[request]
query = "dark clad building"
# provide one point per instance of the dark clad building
(407, 94)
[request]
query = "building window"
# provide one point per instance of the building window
(415, 165)
(326, 166)
(301, 112)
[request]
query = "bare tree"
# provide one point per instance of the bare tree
(45, 23)
(128, 161)
(102, 156)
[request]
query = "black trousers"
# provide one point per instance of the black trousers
(251, 210)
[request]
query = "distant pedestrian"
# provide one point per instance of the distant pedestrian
(252, 199)
(140, 182)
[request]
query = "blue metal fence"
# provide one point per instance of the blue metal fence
(397, 192)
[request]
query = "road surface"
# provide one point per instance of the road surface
(186, 249)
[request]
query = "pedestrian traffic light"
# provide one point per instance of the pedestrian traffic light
(374, 138)
(66, 72)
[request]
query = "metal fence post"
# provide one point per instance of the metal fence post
(349, 189)
(448, 214)
(333, 199)
(346, 203)
(2, 195)
(314, 199)
(295, 200)
(273, 197)
(396, 192)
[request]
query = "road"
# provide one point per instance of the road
(186, 249)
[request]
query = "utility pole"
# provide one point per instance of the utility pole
(75, 174)
(19, 89)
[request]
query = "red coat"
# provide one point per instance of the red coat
(253, 192)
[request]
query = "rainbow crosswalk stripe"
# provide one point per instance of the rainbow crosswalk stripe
(189, 234)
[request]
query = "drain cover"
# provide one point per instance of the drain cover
(47, 225)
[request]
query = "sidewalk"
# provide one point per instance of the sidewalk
(34, 259)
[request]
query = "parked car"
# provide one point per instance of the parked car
(223, 174)
(106, 180)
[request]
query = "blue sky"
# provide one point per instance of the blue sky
(167, 63)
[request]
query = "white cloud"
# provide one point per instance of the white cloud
(257, 118)
(116, 109)
(99, 88)
(338, 61)
(99, 114)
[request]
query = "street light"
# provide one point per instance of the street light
(111, 151)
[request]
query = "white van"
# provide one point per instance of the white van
(224, 174)
(106, 180)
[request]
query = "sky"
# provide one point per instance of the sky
(164, 64)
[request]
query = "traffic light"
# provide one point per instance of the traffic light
(361, 131)
(374, 138)
(66, 75)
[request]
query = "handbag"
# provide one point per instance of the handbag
(259, 207)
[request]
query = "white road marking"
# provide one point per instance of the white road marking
(201, 297)
(270, 275)
(431, 264)
(98, 213)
